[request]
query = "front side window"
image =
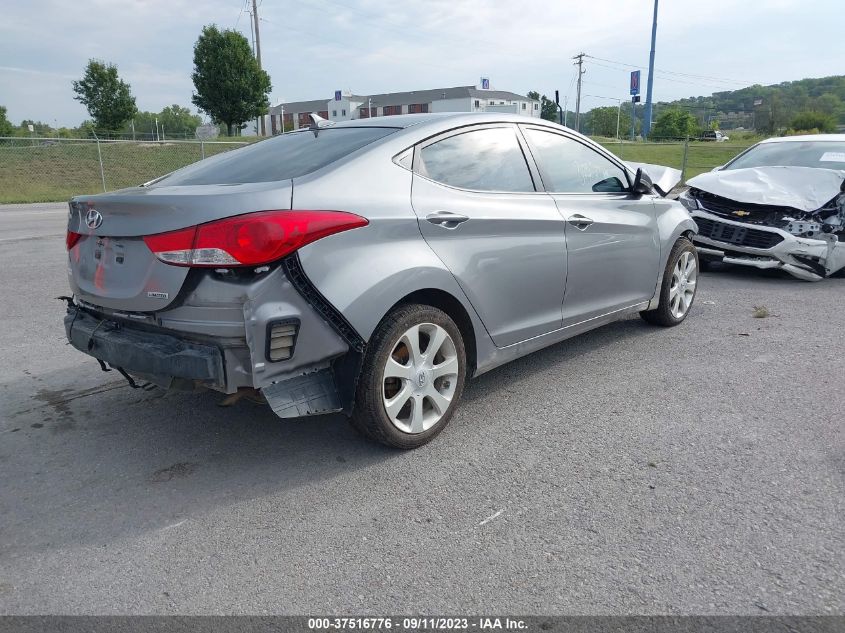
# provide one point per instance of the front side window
(568, 166)
(482, 160)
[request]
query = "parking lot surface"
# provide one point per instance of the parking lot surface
(699, 469)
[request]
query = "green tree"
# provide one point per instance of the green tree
(107, 97)
(179, 120)
(548, 108)
(6, 127)
(174, 120)
(230, 86)
(675, 123)
(39, 128)
(814, 121)
(602, 121)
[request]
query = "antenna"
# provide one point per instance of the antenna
(318, 123)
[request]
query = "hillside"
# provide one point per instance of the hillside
(768, 108)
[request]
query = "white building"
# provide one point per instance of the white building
(346, 106)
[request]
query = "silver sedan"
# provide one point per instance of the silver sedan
(371, 267)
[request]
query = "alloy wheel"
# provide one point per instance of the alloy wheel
(419, 378)
(682, 288)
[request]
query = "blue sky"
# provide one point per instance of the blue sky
(313, 47)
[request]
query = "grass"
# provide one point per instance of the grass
(701, 156)
(58, 172)
(36, 173)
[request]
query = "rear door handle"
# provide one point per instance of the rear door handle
(579, 221)
(446, 219)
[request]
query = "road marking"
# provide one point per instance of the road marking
(491, 517)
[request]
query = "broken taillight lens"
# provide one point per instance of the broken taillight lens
(71, 239)
(249, 240)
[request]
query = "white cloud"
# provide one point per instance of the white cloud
(313, 47)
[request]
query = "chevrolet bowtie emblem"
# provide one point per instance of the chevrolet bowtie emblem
(742, 214)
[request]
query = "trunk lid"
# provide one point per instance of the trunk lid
(111, 266)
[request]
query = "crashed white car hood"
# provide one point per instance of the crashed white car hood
(662, 177)
(803, 188)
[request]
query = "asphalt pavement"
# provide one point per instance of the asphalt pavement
(693, 470)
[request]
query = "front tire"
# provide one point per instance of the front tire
(680, 283)
(412, 377)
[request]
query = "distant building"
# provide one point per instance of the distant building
(345, 106)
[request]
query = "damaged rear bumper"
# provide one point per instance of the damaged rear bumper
(145, 353)
(766, 247)
(223, 336)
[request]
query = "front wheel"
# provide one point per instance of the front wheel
(412, 377)
(680, 282)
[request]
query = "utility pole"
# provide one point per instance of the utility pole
(618, 117)
(581, 71)
(647, 118)
(560, 110)
(258, 54)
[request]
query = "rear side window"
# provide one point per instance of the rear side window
(481, 160)
(279, 158)
(568, 166)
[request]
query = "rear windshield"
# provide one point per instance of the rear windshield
(825, 154)
(279, 158)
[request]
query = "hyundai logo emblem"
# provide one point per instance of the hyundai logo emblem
(93, 219)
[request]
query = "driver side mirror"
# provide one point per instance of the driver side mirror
(642, 183)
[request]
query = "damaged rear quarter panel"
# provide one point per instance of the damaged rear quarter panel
(273, 298)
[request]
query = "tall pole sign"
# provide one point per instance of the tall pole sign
(635, 99)
(647, 121)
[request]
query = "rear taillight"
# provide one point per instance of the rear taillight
(71, 239)
(249, 240)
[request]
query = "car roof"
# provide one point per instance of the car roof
(409, 120)
(806, 137)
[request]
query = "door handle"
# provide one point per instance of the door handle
(579, 221)
(446, 219)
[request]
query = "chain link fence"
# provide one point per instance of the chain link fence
(691, 157)
(51, 169)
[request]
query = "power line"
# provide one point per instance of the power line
(669, 79)
(674, 72)
(241, 12)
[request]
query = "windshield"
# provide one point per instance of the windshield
(279, 158)
(824, 154)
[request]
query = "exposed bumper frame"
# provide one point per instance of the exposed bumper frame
(142, 352)
(787, 255)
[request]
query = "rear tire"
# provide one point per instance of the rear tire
(412, 377)
(679, 286)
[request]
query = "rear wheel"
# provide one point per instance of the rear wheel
(412, 377)
(680, 282)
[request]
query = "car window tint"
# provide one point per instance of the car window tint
(481, 160)
(568, 166)
(825, 154)
(278, 158)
